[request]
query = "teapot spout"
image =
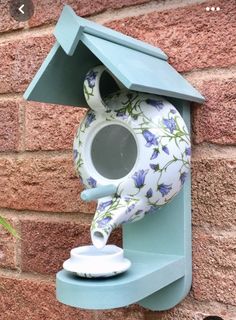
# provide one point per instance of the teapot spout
(110, 213)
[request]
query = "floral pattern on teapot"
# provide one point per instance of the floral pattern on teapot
(162, 163)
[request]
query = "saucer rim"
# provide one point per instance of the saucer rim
(110, 270)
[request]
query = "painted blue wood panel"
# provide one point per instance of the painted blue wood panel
(60, 78)
(82, 44)
(149, 272)
(70, 28)
(141, 72)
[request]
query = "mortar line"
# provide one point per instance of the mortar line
(50, 279)
(22, 127)
(26, 154)
(218, 149)
(102, 18)
(18, 246)
(213, 151)
(47, 216)
(209, 73)
(11, 96)
(141, 9)
(22, 34)
(16, 274)
(215, 231)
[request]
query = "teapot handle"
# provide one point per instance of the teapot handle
(98, 83)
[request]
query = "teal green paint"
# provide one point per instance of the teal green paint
(82, 44)
(159, 245)
(60, 78)
(148, 273)
(174, 234)
(99, 192)
(141, 72)
(70, 28)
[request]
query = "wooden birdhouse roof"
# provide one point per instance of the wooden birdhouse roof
(82, 44)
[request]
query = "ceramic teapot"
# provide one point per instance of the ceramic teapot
(137, 142)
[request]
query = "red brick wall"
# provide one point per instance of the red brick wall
(39, 191)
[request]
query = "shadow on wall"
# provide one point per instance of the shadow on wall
(213, 318)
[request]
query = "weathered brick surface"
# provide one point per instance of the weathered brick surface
(213, 192)
(42, 184)
(50, 127)
(46, 244)
(20, 59)
(214, 121)
(7, 23)
(40, 181)
(133, 312)
(190, 309)
(34, 300)
(214, 266)
(9, 126)
(7, 247)
(190, 36)
(49, 11)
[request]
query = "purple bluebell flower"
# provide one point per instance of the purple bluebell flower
(138, 212)
(75, 153)
(152, 209)
(150, 138)
(139, 178)
(154, 166)
(92, 182)
(149, 193)
(155, 103)
(154, 154)
(188, 151)
(173, 111)
(130, 208)
(164, 189)
(127, 199)
(102, 223)
(121, 114)
(91, 77)
(165, 149)
(102, 206)
(89, 119)
(170, 124)
(183, 177)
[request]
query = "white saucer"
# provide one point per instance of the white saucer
(90, 262)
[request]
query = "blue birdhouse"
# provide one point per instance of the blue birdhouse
(88, 57)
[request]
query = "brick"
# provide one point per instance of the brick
(214, 266)
(47, 244)
(214, 121)
(51, 127)
(41, 184)
(190, 309)
(8, 247)
(190, 36)
(213, 191)
(7, 23)
(133, 312)
(20, 59)
(9, 126)
(34, 300)
(49, 11)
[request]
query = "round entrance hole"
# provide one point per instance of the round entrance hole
(114, 151)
